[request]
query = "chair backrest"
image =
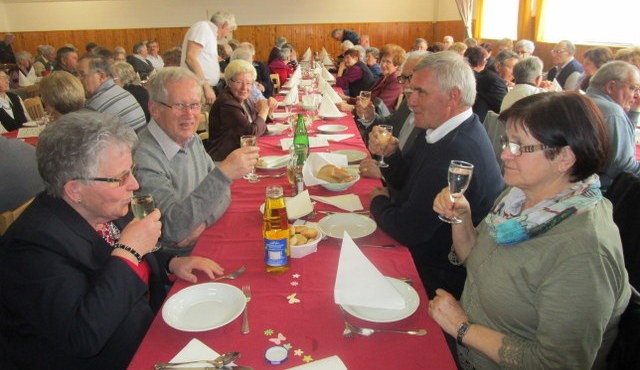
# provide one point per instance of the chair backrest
(34, 107)
(275, 78)
(7, 218)
(32, 90)
(624, 194)
(495, 129)
(625, 352)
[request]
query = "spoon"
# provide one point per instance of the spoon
(218, 362)
(232, 275)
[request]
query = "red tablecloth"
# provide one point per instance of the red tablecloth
(314, 325)
(14, 134)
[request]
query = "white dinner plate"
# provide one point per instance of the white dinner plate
(291, 215)
(353, 156)
(203, 307)
(281, 162)
(332, 129)
(341, 115)
(30, 124)
(411, 299)
(356, 225)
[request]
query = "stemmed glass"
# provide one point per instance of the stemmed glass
(385, 133)
(363, 101)
(460, 173)
(141, 206)
(249, 140)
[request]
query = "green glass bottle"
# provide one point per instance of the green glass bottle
(301, 140)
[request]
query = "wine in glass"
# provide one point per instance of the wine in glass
(460, 173)
(250, 140)
(141, 206)
(385, 133)
(363, 101)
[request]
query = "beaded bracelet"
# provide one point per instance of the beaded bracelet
(127, 248)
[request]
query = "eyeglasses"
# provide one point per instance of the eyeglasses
(635, 89)
(556, 51)
(181, 107)
(386, 61)
(517, 149)
(121, 181)
(242, 83)
(404, 78)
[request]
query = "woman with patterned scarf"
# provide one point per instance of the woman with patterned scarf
(546, 282)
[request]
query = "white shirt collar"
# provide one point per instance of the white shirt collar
(434, 135)
(168, 146)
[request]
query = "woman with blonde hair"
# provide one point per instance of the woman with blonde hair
(61, 93)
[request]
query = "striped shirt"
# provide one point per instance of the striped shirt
(113, 99)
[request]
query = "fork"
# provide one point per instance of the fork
(349, 329)
(232, 275)
(246, 290)
(274, 176)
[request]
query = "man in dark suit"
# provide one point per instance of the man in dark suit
(139, 61)
(441, 105)
(566, 69)
(493, 82)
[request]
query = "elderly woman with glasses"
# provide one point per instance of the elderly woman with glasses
(79, 284)
(387, 87)
(546, 281)
(233, 115)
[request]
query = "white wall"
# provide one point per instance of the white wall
(38, 15)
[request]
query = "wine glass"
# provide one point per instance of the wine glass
(250, 140)
(459, 178)
(141, 206)
(363, 101)
(385, 133)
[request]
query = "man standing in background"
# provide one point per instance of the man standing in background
(6, 51)
(200, 50)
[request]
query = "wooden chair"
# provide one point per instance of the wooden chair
(34, 108)
(7, 218)
(33, 90)
(275, 78)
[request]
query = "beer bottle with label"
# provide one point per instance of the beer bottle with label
(275, 231)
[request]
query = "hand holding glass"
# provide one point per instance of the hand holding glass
(141, 206)
(460, 173)
(383, 137)
(249, 140)
(363, 101)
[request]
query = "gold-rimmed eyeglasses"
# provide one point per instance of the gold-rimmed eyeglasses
(182, 107)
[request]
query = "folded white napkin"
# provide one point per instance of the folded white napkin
(307, 55)
(280, 115)
(292, 96)
(555, 86)
(328, 108)
(315, 161)
(327, 75)
(25, 132)
(310, 100)
(326, 60)
(335, 137)
(274, 161)
(193, 351)
(277, 128)
(359, 283)
(327, 363)
(348, 202)
(314, 142)
(299, 205)
(322, 83)
(331, 93)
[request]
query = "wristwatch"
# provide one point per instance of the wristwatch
(462, 330)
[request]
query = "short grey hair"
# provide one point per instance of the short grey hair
(243, 54)
(414, 54)
(527, 45)
(419, 41)
(346, 45)
(505, 55)
(249, 46)
(219, 18)
(284, 53)
(451, 71)
(616, 70)
(280, 41)
(239, 66)
(97, 64)
(124, 72)
(374, 51)
(73, 147)
(569, 45)
(22, 55)
(361, 50)
(137, 48)
(157, 83)
(527, 69)
(46, 49)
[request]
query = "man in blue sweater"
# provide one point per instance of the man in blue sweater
(440, 94)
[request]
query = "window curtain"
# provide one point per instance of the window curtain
(465, 7)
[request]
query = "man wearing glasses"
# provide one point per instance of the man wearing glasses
(614, 88)
(172, 165)
(567, 70)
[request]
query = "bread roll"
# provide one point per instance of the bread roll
(310, 233)
(333, 174)
(297, 239)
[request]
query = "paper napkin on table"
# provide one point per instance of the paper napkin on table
(314, 142)
(336, 137)
(310, 100)
(299, 205)
(277, 128)
(292, 96)
(193, 351)
(328, 108)
(274, 161)
(25, 132)
(307, 55)
(331, 93)
(359, 283)
(327, 363)
(315, 161)
(327, 75)
(326, 60)
(347, 202)
(322, 83)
